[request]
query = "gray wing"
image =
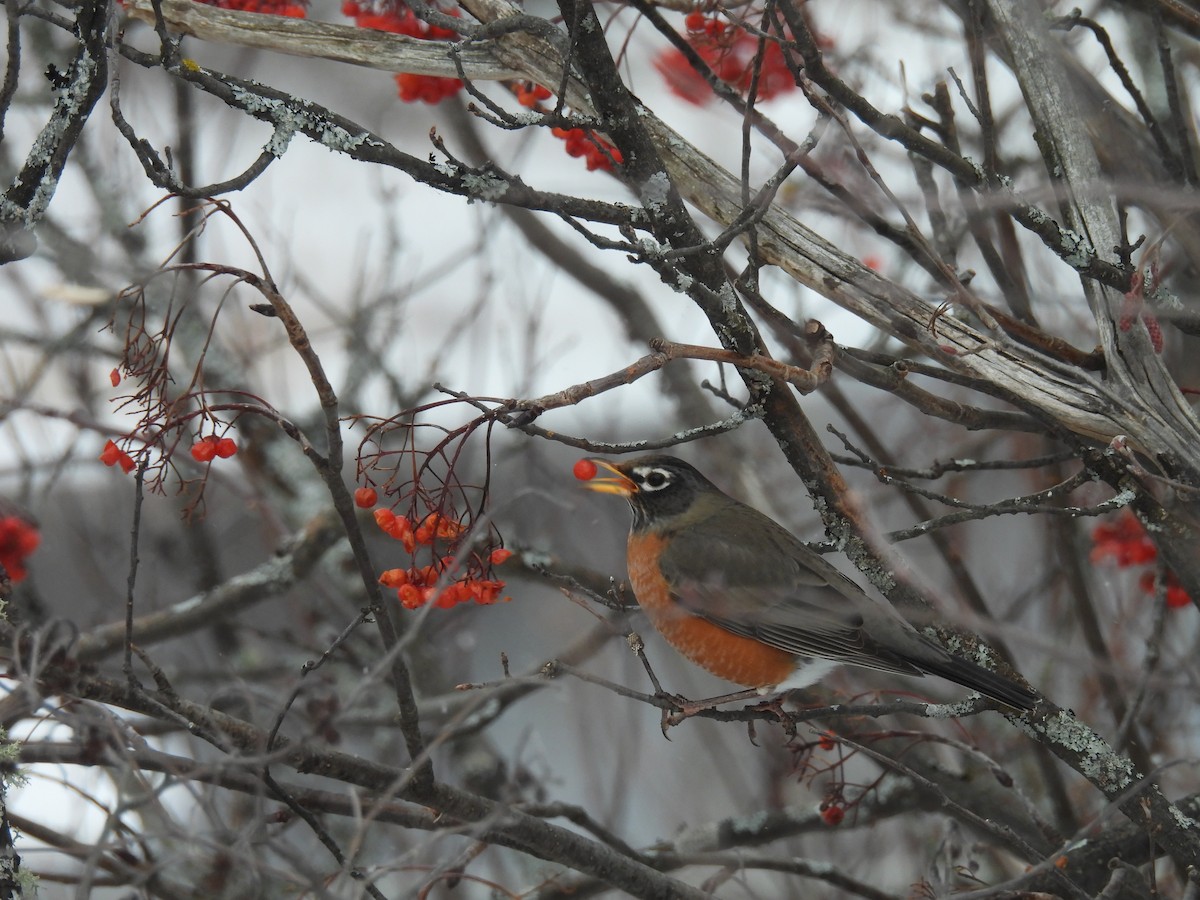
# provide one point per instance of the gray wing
(796, 601)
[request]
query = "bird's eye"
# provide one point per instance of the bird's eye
(655, 479)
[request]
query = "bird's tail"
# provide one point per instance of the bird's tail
(973, 676)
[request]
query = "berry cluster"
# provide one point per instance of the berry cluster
(205, 449)
(1124, 541)
(730, 51)
(18, 539)
(417, 586)
(596, 152)
(433, 527)
(393, 16)
(296, 10)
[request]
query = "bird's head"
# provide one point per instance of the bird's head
(660, 489)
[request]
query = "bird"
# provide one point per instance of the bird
(739, 595)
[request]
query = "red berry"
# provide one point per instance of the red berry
(365, 497)
(500, 555)
(110, 454)
(226, 447)
(832, 815)
(204, 449)
(529, 94)
(1177, 597)
(115, 377)
(585, 470)
(18, 539)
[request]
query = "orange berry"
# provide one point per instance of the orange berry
(365, 497)
(439, 526)
(406, 537)
(385, 519)
(394, 578)
(448, 529)
(500, 555)
(585, 470)
(486, 592)
(115, 377)
(410, 596)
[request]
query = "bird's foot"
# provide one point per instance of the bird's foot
(681, 708)
(774, 705)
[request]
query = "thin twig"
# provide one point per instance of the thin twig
(131, 581)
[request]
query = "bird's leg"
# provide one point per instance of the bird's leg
(691, 707)
(638, 646)
(683, 707)
(678, 701)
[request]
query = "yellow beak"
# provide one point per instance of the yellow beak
(621, 484)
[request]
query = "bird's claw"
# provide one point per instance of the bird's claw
(680, 709)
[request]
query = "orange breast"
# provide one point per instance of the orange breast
(730, 656)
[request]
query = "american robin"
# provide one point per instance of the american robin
(739, 595)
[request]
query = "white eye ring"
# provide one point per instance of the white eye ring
(652, 479)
